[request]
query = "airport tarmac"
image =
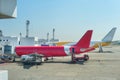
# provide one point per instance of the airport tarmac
(101, 66)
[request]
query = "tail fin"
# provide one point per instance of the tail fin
(109, 36)
(84, 42)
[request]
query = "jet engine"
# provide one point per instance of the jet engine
(33, 58)
(27, 58)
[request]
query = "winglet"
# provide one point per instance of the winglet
(109, 36)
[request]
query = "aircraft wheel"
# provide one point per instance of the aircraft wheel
(86, 57)
(39, 60)
(13, 59)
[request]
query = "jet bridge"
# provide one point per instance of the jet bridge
(8, 9)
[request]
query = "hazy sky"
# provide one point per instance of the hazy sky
(70, 18)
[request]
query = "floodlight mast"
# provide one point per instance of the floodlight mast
(27, 28)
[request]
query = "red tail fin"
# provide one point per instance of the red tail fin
(84, 42)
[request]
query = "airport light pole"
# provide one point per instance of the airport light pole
(47, 37)
(27, 28)
(53, 34)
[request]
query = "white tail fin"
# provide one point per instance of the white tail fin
(109, 36)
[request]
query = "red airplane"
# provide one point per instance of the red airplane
(35, 53)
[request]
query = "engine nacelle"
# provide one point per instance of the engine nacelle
(27, 58)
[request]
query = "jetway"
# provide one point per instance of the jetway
(8, 9)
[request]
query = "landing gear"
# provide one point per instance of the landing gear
(82, 59)
(86, 57)
(46, 59)
(38, 60)
(100, 48)
(13, 59)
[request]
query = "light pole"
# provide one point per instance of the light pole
(27, 28)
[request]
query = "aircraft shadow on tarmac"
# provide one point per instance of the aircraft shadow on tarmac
(103, 52)
(29, 65)
(65, 62)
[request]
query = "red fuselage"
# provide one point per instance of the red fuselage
(44, 50)
(49, 51)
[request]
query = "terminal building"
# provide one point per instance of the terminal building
(29, 41)
(8, 43)
(45, 42)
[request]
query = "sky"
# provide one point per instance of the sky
(70, 18)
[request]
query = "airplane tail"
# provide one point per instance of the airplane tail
(83, 45)
(109, 36)
(84, 42)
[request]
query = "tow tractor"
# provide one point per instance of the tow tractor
(7, 58)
